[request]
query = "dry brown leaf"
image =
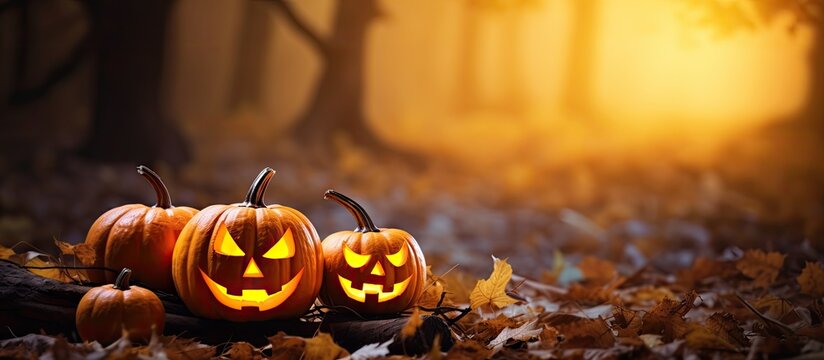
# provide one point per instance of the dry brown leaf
(322, 347)
(286, 347)
(667, 318)
(628, 322)
(468, 350)
(761, 266)
(432, 291)
(811, 280)
(415, 321)
(773, 306)
(5, 253)
(587, 333)
(54, 274)
(492, 291)
(485, 330)
(703, 269)
(592, 295)
(725, 326)
(83, 252)
(550, 337)
(525, 332)
(597, 271)
(243, 350)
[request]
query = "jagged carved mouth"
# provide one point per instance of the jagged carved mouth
(376, 289)
(258, 298)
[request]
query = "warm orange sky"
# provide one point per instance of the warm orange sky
(656, 74)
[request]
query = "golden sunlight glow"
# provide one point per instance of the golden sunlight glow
(225, 244)
(399, 258)
(354, 259)
(360, 295)
(284, 248)
(258, 298)
(252, 270)
(378, 269)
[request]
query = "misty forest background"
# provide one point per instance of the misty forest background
(637, 131)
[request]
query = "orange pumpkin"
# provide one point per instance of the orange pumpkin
(139, 237)
(104, 312)
(248, 261)
(371, 270)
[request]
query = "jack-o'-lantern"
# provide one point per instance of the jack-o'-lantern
(371, 270)
(139, 237)
(248, 261)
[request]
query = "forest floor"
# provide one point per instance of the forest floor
(643, 256)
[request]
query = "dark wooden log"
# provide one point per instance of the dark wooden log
(31, 304)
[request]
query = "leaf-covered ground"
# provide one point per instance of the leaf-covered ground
(644, 256)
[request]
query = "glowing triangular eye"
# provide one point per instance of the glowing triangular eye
(354, 259)
(284, 248)
(399, 258)
(225, 245)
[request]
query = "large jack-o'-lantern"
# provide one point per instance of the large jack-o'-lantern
(371, 270)
(248, 261)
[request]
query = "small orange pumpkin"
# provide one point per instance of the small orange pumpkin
(248, 261)
(371, 270)
(105, 312)
(139, 237)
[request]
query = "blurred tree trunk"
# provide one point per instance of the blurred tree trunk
(582, 45)
(129, 37)
(336, 108)
(254, 45)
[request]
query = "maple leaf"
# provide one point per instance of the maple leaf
(492, 292)
(525, 332)
(322, 347)
(370, 351)
(811, 280)
(761, 266)
(412, 324)
(596, 270)
(667, 318)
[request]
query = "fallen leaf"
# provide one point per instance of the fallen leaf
(412, 324)
(433, 291)
(242, 350)
(286, 347)
(773, 306)
(587, 333)
(322, 347)
(487, 329)
(525, 332)
(811, 280)
(5, 253)
(597, 271)
(371, 351)
(468, 350)
(761, 266)
(550, 337)
(667, 318)
(83, 252)
(627, 321)
(492, 292)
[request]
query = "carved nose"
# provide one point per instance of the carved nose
(252, 270)
(378, 269)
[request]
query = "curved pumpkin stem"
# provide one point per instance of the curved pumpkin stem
(365, 223)
(164, 200)
(254, 198)
(122, 281)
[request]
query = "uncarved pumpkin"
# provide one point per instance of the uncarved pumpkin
(104, 312)
(248, 261)
(139, 237)
(371, 270)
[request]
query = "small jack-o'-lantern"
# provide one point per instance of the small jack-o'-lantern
(371, 270)
(139, 237)
(248, 261)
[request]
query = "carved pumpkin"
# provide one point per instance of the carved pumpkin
(248, 261)
(371, 270)
(139, 237)
(104, 312)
